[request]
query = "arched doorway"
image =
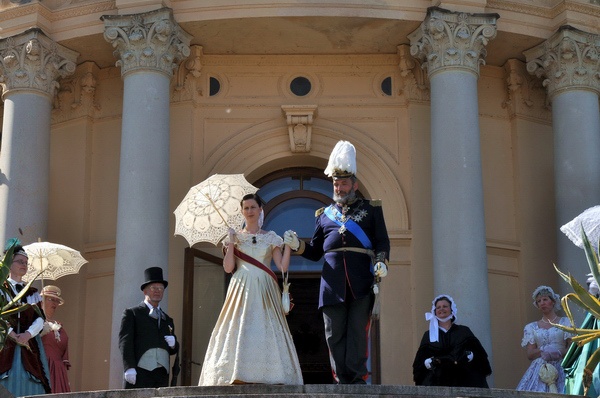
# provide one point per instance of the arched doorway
(292, 195)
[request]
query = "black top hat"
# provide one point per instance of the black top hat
(154, 275)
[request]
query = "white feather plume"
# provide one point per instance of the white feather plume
(342, 159)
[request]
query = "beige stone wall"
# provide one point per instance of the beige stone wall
(244, 129)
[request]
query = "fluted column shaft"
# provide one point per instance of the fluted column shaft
(452, 46)
(570, 66)
(148, 46)
(30, 66)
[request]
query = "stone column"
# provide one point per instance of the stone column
(568, 63)
(452, 46)
(30, 65)
(148, 47)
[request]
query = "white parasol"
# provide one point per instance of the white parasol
(589, 220)
(53, 259)
(210, 208)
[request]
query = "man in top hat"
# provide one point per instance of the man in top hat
(352, 236)
(147, 338)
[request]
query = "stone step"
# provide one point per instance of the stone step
(308, 391)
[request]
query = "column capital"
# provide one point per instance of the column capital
(568, 60)
(147, 41)
(452, 40)
(32, 61)
(413, 83)
(525, 96)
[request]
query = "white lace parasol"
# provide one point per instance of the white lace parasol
(590, 221)
(211, 207)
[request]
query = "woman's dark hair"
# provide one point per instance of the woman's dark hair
(252, 196)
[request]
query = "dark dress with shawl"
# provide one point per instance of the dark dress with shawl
(453, 368)
(22, 371)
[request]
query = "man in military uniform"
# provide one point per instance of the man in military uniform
(352, 236)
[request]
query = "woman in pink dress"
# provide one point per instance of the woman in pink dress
(56, 341)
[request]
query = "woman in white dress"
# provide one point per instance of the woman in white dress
(546, 344)
(251, 342)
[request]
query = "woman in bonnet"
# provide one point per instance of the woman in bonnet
(449, 354)
(56, 341)
(546, 345)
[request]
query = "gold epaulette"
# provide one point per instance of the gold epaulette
(319, 212)
(375, 202)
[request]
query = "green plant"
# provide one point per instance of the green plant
(588, 302)
(8, 306)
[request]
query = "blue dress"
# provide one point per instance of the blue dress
(552, 337)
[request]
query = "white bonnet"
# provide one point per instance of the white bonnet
(546, 291)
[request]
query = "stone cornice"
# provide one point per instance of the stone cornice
(147, 41)
(452, 40)
(569, 60)
(32, 61)
(544, 12)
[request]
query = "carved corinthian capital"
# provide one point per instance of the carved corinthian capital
(147, 41)
(32, 61)
(568, 60)
(452, 40)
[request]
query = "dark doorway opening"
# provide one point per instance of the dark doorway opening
(306, 325)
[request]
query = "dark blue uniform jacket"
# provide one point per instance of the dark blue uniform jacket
(346, 272)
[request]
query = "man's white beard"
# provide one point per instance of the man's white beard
(346, 199)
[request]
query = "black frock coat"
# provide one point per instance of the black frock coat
(140, 332)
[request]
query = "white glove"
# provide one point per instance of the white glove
(170, 341)
(545, 355)
(291, 239)
(130, 375)
(593, 286)
(428, 363)
(470, 356)
(231, 233)
(380, 269)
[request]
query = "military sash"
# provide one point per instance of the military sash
(334, 215)
(249, 259)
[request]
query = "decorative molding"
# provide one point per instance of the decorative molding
(452, 40)
(299, 120)
(525, 95)
(76, 97)
(147, 41)
(32, 61)
(545, 12)
(188, 85)
(568, 60)
(376, 60)
(414, 85)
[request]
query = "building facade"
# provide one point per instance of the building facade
(476, 122)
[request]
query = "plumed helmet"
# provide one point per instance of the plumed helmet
(342, 161)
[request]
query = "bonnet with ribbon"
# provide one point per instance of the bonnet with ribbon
(434, 329)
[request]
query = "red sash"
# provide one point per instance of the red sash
(255, 262)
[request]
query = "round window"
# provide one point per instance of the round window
(300, 86)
